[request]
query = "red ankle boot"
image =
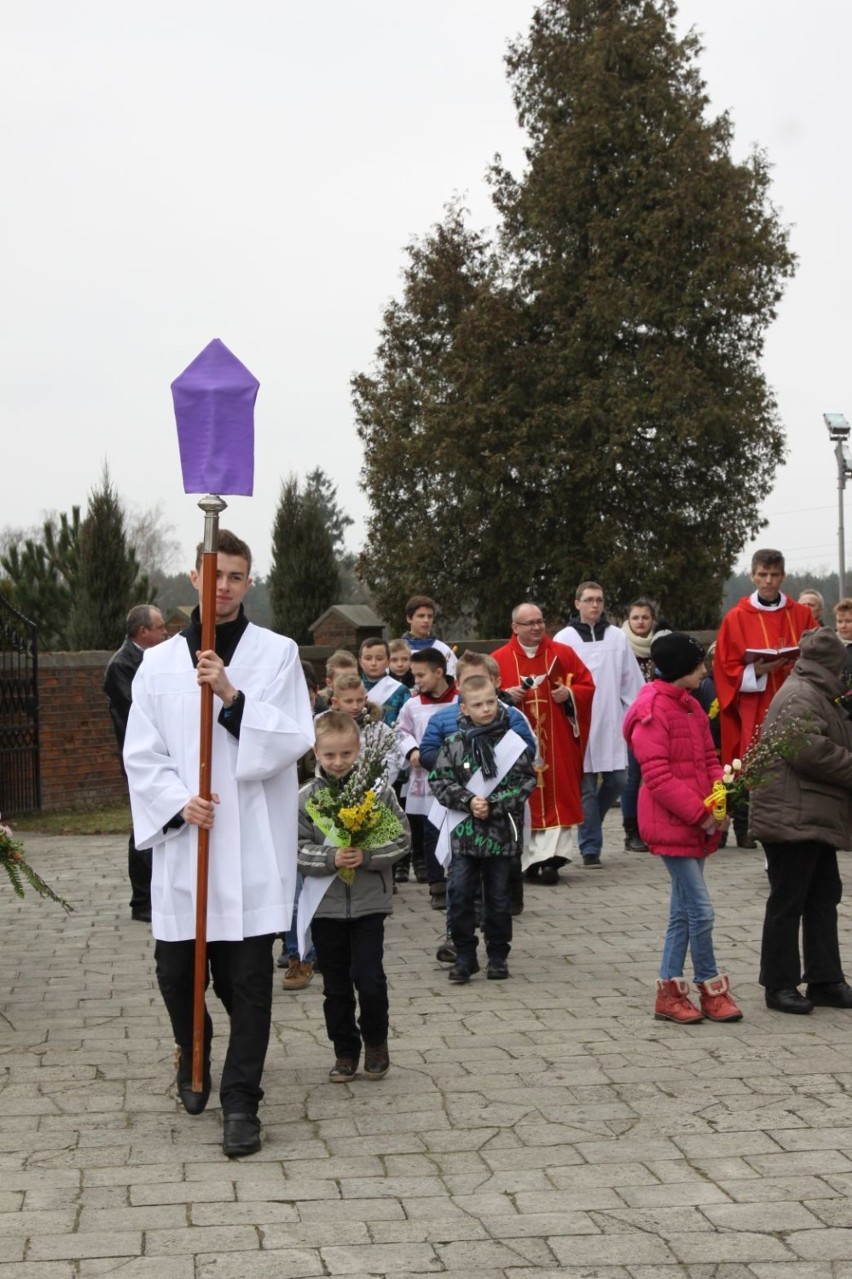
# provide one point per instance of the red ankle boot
(673, 1002)
(716, 1001)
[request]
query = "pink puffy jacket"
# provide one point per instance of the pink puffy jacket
(668, 732)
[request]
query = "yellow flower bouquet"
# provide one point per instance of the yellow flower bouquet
(349, 812)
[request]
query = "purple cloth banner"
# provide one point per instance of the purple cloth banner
(214, 409)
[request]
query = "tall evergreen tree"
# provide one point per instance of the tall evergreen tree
(616, 424)
(303, 581)
(43, 577)
(321, 486)
(108, 580)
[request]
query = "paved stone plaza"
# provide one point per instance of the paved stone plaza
(538, 1127)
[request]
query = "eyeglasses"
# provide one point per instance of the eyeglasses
(536, 621)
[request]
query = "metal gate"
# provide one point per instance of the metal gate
(20, 789)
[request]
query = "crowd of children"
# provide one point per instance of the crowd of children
(460, 767)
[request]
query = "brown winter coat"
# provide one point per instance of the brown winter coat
(809, 796)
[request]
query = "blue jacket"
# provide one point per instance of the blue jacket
(445, 722)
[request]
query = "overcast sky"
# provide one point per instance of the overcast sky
(190, 169)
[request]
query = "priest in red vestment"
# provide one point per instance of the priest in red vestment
(553, 688)
(766, 619)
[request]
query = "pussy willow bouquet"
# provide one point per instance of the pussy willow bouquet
(778, 742)
(18, 869)
(349, 812)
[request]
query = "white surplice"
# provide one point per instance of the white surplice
(252, 876)
(618, 682)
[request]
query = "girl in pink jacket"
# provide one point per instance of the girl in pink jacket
(668, 733)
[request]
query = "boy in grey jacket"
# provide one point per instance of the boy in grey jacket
(348, 923)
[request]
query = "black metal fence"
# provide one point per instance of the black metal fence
(20, 789)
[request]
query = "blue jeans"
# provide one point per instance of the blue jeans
(597, 801)
(690, 921)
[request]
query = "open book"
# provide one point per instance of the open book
(770, 654)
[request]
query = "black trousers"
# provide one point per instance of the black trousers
(804, 889)
(350, 953)
(139, 872)
(242, 979)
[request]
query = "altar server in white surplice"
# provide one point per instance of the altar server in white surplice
(262, 724)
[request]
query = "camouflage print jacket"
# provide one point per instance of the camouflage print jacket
(501, 833)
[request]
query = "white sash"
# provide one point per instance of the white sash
(509, 750)
(314, 888)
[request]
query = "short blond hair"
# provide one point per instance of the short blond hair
(348, 679)
(476, 684)
(398, 646)
(340, 658)
(335, 722)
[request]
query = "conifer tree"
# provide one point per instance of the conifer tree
(596, 406)
(108, 581)
(303, 581)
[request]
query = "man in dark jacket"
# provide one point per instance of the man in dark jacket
(802, 813)
(145, 628)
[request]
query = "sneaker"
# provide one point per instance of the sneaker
(497, 970)
(634, 844)
(400, 874)
(446, 952)
(460, 974)
(438, 901)
(298, 976)
(591, 861)
(343, 1070)
(376, 1061)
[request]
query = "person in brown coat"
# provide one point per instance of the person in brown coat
(802, 814)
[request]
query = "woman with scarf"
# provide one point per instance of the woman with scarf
(639, 629)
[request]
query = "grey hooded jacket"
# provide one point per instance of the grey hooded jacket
(809, 796)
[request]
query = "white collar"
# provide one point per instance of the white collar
(768, 608)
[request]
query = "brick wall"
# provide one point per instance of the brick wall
(79, 756)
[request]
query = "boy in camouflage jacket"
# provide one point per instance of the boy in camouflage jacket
(485, 841)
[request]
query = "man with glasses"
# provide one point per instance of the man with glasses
(608, 655)
(554, 689)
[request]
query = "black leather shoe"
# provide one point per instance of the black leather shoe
(193, 1102)
(830, 994)
(788, 1001)
(460, 974)
(242, 1135)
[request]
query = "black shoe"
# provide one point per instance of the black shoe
(830, 994)
(400, 876)
(460, 974)
(592, 861)
(193, 1102)
(634, 844)
(242, 1135)
(141, 914)
(746, 841)
(549, 873)
(497, 970)
(533, 874)
(788, 1001)
(438, 901)
(421, 875)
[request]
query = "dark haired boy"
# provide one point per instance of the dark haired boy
(420, 615)
(382, 689)
(434, 690)
(262, 725)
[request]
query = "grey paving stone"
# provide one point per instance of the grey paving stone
(549, 1127)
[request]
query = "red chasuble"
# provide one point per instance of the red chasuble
(745, 626)
(556, 800)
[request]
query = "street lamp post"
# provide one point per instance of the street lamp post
(839, 430)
